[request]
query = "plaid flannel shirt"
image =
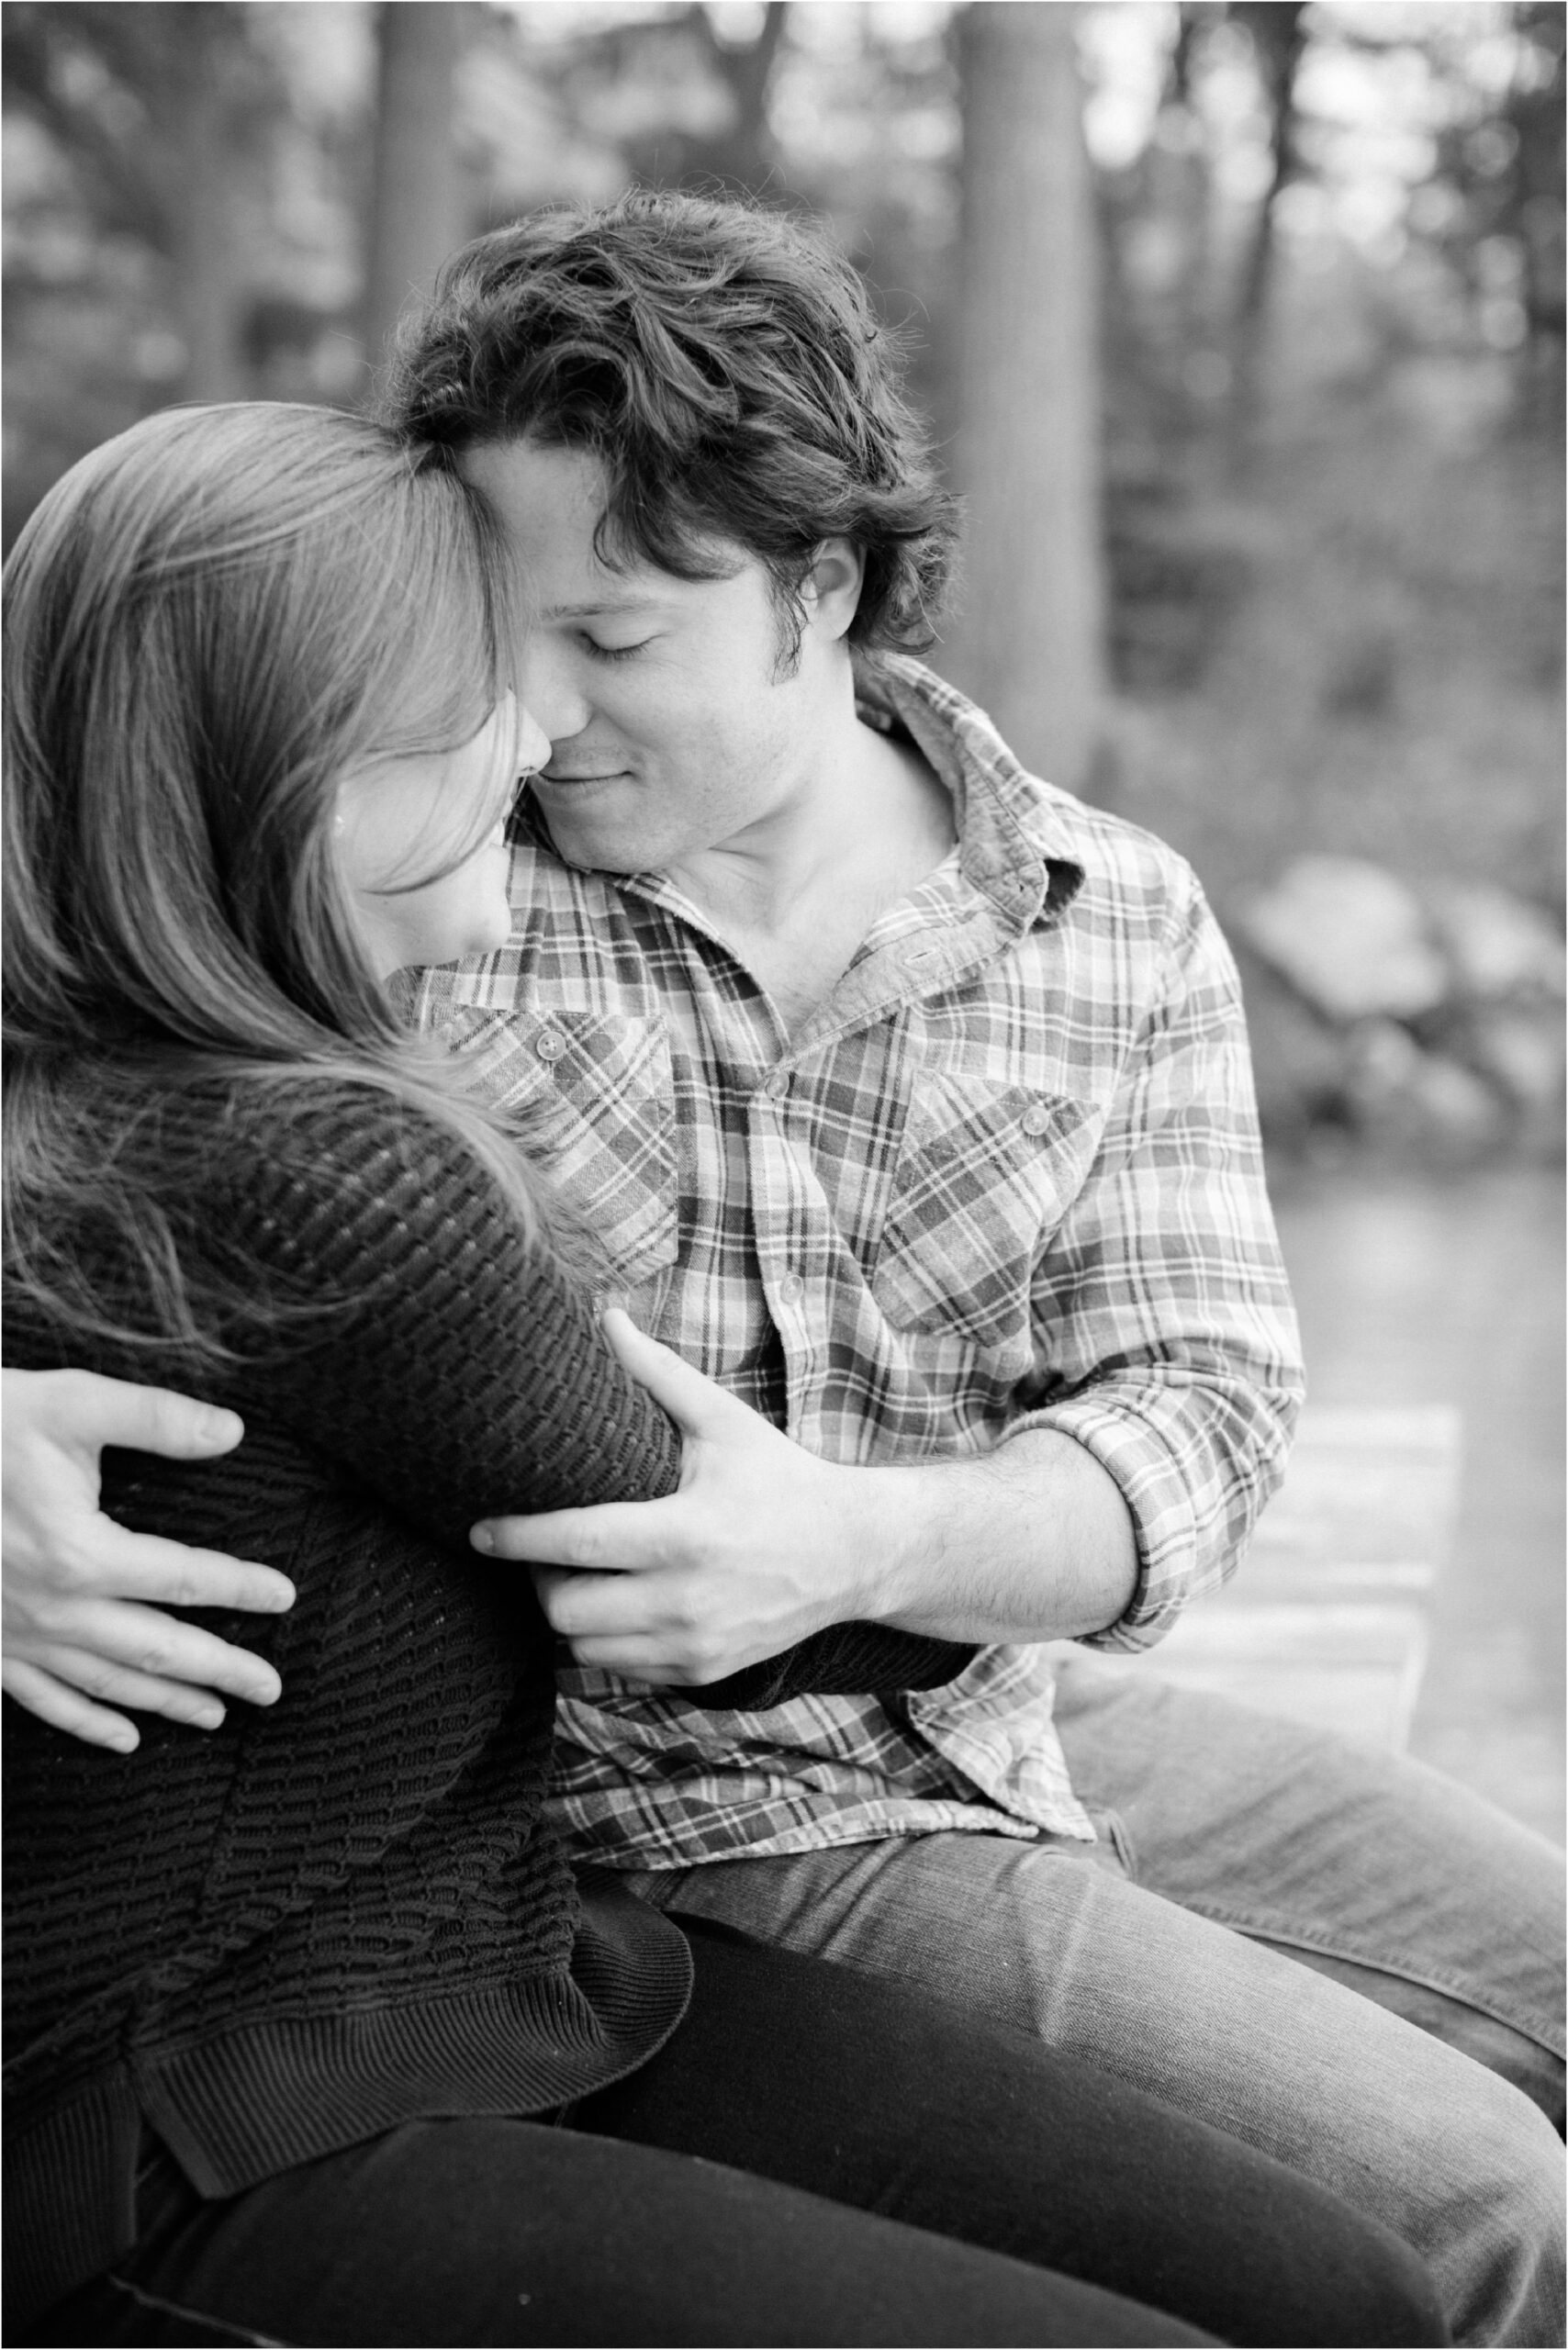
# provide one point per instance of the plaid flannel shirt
(1006, 1177)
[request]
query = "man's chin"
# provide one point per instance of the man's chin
(591, 850)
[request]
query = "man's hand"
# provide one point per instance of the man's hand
(77, 1621)
(755, 1550)
(764, 1543)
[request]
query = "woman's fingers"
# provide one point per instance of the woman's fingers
(66, 1708)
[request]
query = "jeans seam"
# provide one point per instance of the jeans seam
(1118, 1835)
(196, 2317)
(1451, 1987)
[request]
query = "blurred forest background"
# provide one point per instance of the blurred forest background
(1241, 326)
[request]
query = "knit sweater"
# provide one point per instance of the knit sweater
(345, 1910)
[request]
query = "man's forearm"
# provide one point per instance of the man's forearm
(1031, 1542)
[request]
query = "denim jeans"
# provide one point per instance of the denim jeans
(1270, 1915)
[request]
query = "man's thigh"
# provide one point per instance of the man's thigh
(878, 2095)
(1361, 1863)
(1451, 2158)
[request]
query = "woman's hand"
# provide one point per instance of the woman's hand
(76, 1586)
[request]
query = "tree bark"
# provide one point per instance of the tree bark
(1029, 644)
(418, 206)
(1279, 37)
(204, 243)
(740, 155)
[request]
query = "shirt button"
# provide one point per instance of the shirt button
(791, 1288)
(549, 1045)
(1035, 1118)
(775, 1084)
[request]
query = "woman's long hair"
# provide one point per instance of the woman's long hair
(210, 620)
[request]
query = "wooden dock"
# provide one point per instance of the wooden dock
(1326, 1619)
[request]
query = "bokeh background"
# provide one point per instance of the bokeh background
(1241, 331)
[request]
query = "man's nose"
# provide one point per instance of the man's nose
(549, 686)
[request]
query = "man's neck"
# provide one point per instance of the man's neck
(795, 895)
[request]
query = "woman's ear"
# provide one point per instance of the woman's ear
(830, 589)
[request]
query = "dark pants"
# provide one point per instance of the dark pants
(790, 2074)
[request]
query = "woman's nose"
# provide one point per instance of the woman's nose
(532, 743)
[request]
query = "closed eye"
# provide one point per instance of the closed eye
(615, 651)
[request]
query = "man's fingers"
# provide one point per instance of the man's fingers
(635, 1660)
(117, 1684)
(652, 1659)
(119, 1636)
(144, 1419)
(146, 1566)
(66, 1708)
(693, 1402)
(615, 1535)
(616, 1606)
(634, 1624)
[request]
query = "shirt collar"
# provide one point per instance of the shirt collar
(1020, 846)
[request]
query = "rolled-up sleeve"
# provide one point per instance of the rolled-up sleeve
(1162, 1304)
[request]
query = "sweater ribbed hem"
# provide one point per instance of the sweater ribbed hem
(70, 2196)
(256, 2101)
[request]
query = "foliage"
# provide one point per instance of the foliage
(161, 240)
(1331, 256)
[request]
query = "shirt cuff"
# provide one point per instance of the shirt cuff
(1152, 1484)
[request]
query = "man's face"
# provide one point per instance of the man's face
(671, 731)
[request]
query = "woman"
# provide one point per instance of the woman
(312, 2034)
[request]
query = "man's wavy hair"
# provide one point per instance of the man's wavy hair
(725, 367)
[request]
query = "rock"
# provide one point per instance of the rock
(1459, 1109)
(1495, 944)
(1349, 936)
(1520, 1049)
(1402, 1095)
(1299, 1060)
(1382, 1063)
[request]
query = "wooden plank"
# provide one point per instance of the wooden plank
(1369, 1489)
(1352, 1668)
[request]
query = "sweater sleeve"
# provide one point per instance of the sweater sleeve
(427, 1343)
(459, 1370)
(841, 1661)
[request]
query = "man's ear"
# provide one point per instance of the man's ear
(830, 589)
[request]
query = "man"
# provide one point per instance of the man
(909, 1101)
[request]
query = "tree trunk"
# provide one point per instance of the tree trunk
(209, 281)
(1279, 37)
(1029, 644)
(418, 208)
(186, 64)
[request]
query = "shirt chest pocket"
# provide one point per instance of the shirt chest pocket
(592, 1097)
(987, 1174)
